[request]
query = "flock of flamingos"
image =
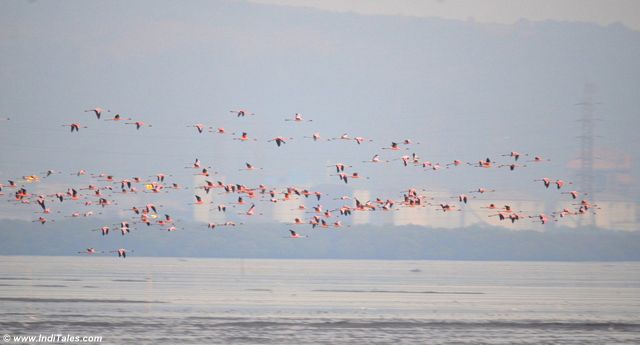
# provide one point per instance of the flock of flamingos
(103, 190)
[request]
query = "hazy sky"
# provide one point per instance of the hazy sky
(602, 12)
(462, 90)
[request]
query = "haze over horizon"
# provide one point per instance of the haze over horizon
(459, 89)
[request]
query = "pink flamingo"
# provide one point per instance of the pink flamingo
(117, 117)
(75, 127)
(241, 112)
(200, 127)
(279, 140)
(298, 118)
(294, 234)
(97, 110)
(139, 124)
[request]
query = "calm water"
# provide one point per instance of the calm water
(236, 301)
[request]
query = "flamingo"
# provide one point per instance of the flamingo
(42, 220)
(315, 136)
(241, 112)
(251, 210)
(294, 234)
(375, 159)
(408, 142)
(280, 140)
(486, 163)
(117, 117)
(139, 124)
(514, 154)
(51, 172)
(75, 127)
(542, 217)
(446, 207)
(298, 118)
(97, 110)
(538, 159)
(249, 167)
(200, 127)
(559, 184)
(244, 137)
(394, 147)
(344, 136)
(88, 251)
(199, 200)
(41, 202)
(360, 140)
(482, 190)
(339, 167)
(455, 162)
(546, 181)
(511, 167)
(122, 253)
(574, 194)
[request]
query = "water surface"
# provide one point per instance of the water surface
(256, 301)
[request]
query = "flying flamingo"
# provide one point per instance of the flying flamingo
(42, 220)
(295, 234)
(514, 154)
(574, 194)
(546, 181)
(375, 159)
(344, 136)
(409, 142)
(297, 118)
(122, 253)
(560, 183)
(97, 110)
(200, 127)
(139, 124)
(315, 136)
(511, 167)
(542, 218)
(88, 251)
(360, 140)
(75, 127)
(51, 172)
(251, 210)
(249, 167)
(241, 112)
(198, 200)
(280, 140)
(244, 137)
(394, 147)
(455, 162)
(339, 167)
(117, 117)
(538, 159)
(482, 190)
